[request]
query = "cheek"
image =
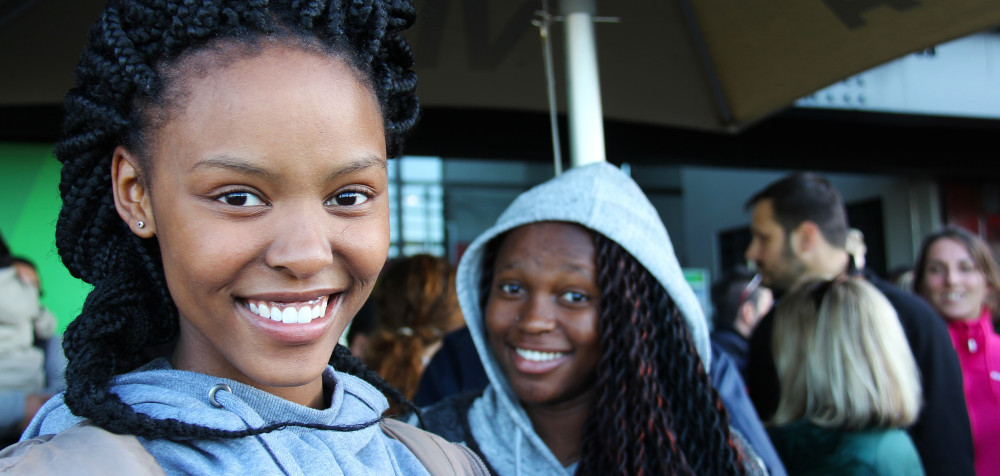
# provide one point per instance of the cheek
(365, 244)
(585, 331)
(499, 316)
(933, 282)
(203, 251)
(495, 318)
(977, 282)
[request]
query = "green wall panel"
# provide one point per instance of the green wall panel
(29, 192)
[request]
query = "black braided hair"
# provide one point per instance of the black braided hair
(655, 410)
(126, 86)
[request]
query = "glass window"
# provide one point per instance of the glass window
(416, 206)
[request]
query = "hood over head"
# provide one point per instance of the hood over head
(602, 198)
(599, 197)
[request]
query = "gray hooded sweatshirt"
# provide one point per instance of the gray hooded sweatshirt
(599, 197)
(163, 392)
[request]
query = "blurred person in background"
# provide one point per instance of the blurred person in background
(415, 306)
(957, 274)
(739, 302)
(849, 383)
(22, 364)
(55, 360)
(799, 231)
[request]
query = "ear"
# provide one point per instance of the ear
(132, 199)
(804, 238)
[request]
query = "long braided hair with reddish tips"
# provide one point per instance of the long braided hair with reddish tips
(655, 410)
(127, 86)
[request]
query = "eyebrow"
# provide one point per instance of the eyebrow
(564, 266)
(242, 166)
(232, 163)
(358, 164)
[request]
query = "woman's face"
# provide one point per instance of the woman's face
(952, 282)
(541, 315)
(269, 200)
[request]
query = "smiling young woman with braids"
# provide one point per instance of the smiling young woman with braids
(595, 346)
(225, 192)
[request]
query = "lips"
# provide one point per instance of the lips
(289, 312)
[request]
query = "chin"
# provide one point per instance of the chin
(288, 373)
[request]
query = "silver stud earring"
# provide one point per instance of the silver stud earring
(140, 224)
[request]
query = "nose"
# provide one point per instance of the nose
(751, 253)
(301, 246)
(950, 276)
(537, 316)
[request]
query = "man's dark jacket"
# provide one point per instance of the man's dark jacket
(941, 432)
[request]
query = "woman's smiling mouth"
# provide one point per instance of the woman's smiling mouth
(289, 312)
(536, 362)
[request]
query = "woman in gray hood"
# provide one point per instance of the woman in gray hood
(595, 346)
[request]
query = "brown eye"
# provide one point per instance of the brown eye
(347, 199)
(510, 288)
(575, 297)
(241, 199)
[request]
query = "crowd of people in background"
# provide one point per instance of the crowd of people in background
(847, 373)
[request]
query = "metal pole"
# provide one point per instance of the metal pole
(543, 20)
(586, 119)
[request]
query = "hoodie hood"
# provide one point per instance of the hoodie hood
(165, 393)
(599, 197)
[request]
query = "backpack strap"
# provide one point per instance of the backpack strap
(81, 449)
(439, 456)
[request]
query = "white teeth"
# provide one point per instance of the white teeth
(304, 315)
(537, 356)
(289, 313)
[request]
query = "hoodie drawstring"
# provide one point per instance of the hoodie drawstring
(214, 400)
(517, 452)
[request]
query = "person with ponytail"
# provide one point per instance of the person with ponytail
(225, 192)
(849, 384)
(415, 306)
(595, 347)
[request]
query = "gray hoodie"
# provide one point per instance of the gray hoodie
(162, 392)
(599, 197)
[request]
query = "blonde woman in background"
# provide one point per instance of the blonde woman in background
(849, 384)
(415, 306)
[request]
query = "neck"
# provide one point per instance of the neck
(830, 263)
(561, 426)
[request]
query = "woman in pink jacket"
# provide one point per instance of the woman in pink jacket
(957, 275)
